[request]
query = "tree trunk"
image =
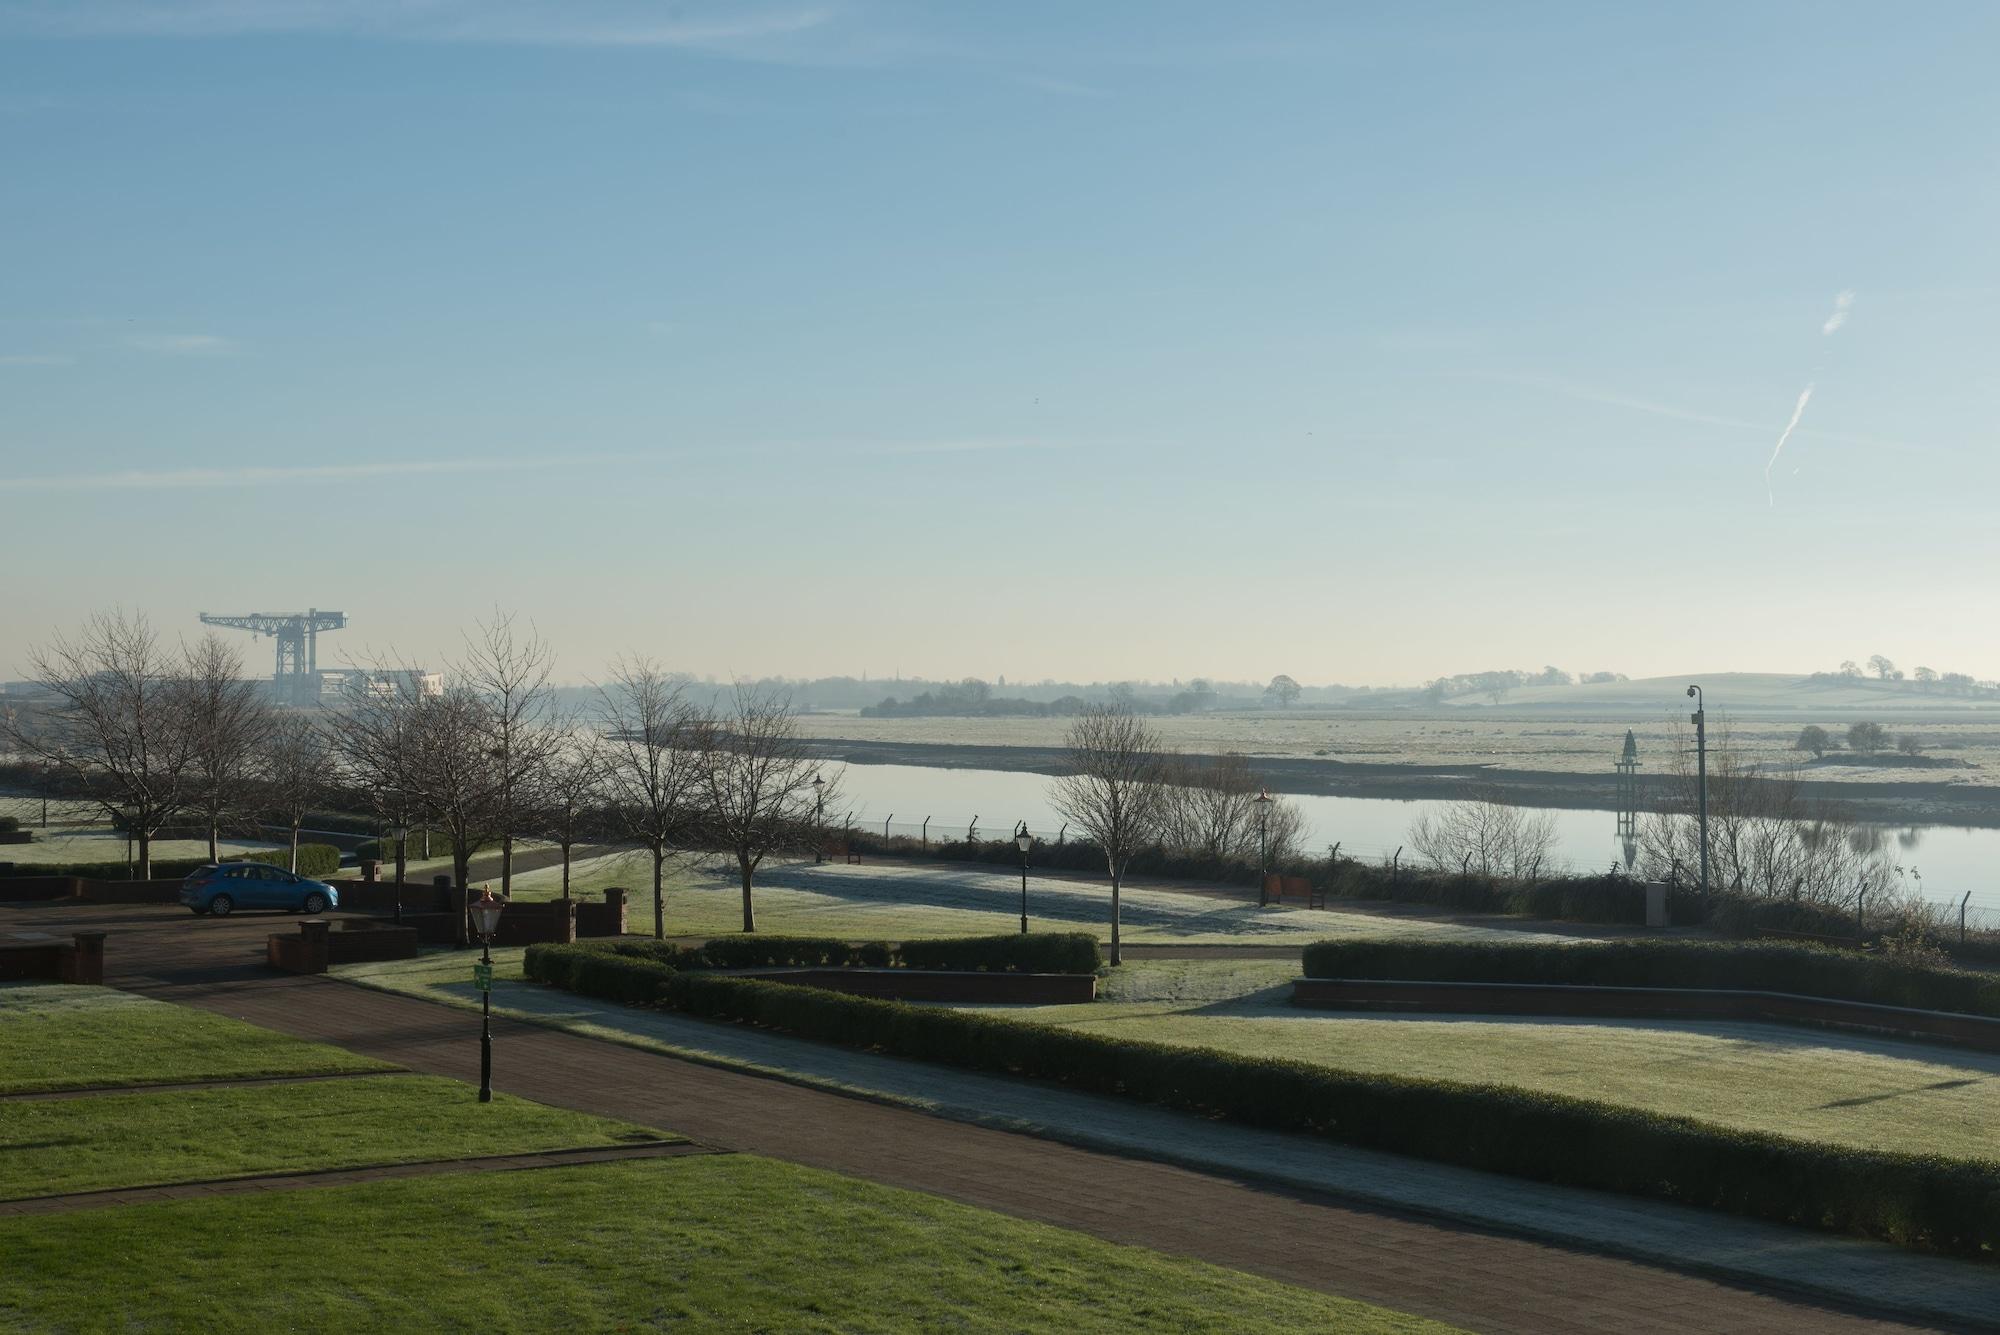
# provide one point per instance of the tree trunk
(659, 896)
(214, 853)
(565, 853)
(1115, 879)
(461, 868)
(145, 855)
(400, 863)
(749, 914)
(506, 865)
(294, 868)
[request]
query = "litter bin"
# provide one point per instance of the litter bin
(1656, 903)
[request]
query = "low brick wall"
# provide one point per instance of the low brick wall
(531, 922)
(29, 889)
(38, 957)
(1025, 989)
(132, 892)
(381, 896)
(606, 919)
(1973, 1031)
(358, 942)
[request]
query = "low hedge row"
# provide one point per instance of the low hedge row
(594, 972)
(1925, 1202)
(315, 860)
(164, 869)
(1034, 952)
(1768, 966)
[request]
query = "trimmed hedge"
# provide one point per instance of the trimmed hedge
(315, 860)
(1924, 1202)
(1035, 952)
(1765, 966)
(608, 975)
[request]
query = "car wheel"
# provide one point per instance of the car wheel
(219, 906)
(315, 903)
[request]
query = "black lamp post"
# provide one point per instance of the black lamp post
(402, 833)
(1024, 841)
(1263, 802)
(485, 922)
(819, 818)
(1700, 720)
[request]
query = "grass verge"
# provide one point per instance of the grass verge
(57, 1146)
(731, 1243)
(54, 1036)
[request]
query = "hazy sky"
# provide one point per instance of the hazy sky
(1086, 340)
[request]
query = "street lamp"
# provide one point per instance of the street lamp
(1263, 802)
(1024, 841)
(1700, 720)
(485, 922)
(819, 818)
(402, 833)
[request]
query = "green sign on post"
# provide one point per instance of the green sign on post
(482, 977)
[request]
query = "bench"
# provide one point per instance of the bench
(1276, 887)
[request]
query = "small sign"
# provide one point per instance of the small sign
(482, 977)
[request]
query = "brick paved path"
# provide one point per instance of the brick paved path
(1456, 1274)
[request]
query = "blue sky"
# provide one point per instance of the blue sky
(1364, 343)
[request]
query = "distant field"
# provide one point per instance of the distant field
(79, 843)
(1478, 735)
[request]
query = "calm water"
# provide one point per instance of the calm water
(1950, 860)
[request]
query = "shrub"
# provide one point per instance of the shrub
(315, 860)
(608, 975)
(1919, 1201)
(9, 824)
(163, 869)
(1770, 966)
(1032, 952)
(1036, 952)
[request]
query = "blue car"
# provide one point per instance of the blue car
(222, 889)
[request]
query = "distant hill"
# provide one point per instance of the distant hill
(1735, 693)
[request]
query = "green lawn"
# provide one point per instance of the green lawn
(727, 1243)
(51, 1147)
(54, 1036)
(1846, 1090)
(101, 843)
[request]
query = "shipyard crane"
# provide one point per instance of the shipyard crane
(296, 680)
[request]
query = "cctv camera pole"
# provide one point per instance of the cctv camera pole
(1701, 778)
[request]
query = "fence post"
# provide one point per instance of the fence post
(1064, 834)
(1961, 916)
(885, 824)
(927, 832)
(1395, 871)
(972, 831)
(1860, 911)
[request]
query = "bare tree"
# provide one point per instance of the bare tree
(757, 782)
(572, 790)
(1208, 807)
(652, 767)
(508, 675)
(118, 731)
(1482, 835)
(1113, 790)
(298, 768)
(453, 776)
(227, 724)
(374, 731)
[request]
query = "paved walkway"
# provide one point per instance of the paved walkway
(1456, 1272)
(344, 1177)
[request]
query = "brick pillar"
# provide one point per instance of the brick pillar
(368, 866)
(458, 898)
(614, 899)
(86, 959)
(313, 948)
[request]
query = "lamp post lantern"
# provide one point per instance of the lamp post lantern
(1263, 802)
(485, 922)
(819, 818)
(1700, 720)
(1024, 841)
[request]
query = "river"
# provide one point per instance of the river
(1943, 861)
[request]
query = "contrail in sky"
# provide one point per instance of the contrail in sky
(1841, 305)
(1798, 411)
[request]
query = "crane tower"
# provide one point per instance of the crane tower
(296, 680)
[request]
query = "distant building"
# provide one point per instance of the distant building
(334, 683)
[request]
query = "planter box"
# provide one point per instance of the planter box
(44, 957)
(1973, 1031)
(1022, 989)
(355, 942)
